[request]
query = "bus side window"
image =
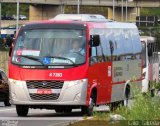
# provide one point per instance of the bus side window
(99, 54)
(93, 55)
(119, 45)
(106, 47)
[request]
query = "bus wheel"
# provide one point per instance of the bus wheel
(88, 110)
(127, 96)
(22, 110)
(113, 106)
(6, 101)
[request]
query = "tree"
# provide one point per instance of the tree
(11, 9)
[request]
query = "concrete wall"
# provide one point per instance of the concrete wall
(131, 14)
(43, 12)
(108, 3)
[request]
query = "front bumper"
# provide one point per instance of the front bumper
(72, 93)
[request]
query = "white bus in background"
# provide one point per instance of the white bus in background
(150, 63)
(7, 31)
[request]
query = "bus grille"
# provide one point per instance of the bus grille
(44, 85)
(44, 96)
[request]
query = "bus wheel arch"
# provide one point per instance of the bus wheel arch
(93, 94)
(127, 93)
(88, 110)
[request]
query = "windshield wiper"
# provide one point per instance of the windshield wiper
(32, 58)
(63, 58)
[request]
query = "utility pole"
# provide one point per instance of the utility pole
(122, 10)
(17, 21)
(78, 7)
(62, 7)
(126, 10)
(113, 11)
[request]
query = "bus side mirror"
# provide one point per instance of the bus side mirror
(94, 40)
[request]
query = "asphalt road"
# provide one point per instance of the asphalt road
(37, 117)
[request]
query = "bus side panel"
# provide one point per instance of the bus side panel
(100, 75)
(125, 72)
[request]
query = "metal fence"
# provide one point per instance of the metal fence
(147, 21)
(4, 57)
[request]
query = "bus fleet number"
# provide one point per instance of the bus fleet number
(55, 74)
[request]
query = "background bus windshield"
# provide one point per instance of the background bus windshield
(50, 47)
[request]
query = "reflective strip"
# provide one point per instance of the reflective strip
(54, 91)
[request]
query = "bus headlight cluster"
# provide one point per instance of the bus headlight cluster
(17, 82)
(76, 82)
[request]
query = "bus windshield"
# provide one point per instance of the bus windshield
(50, 47)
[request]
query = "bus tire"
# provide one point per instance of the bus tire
(22, 110)
(113, 106)
(6, 101)
(127, 95)
(88, 110)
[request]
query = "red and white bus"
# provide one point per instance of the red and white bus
(151, 63)
(46, 69)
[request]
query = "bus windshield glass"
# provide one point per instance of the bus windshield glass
(59, 47)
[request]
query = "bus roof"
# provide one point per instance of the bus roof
(90, 24)
(92, 20)
(82, 17)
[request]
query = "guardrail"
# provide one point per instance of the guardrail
(147, 20)
(6, 23)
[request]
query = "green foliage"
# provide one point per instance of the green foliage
(143, 108)
(101, 115)
(11, 9)
(150, 11)
(158, 86)
(87, 10)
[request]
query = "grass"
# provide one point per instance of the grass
(150, 11)
(143, 108)
(90, 123)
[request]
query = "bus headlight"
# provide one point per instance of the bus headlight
(76, 82)
(17, 82)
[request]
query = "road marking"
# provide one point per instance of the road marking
(43, 118)
(7, 109)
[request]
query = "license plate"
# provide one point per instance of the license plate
(44, 91)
